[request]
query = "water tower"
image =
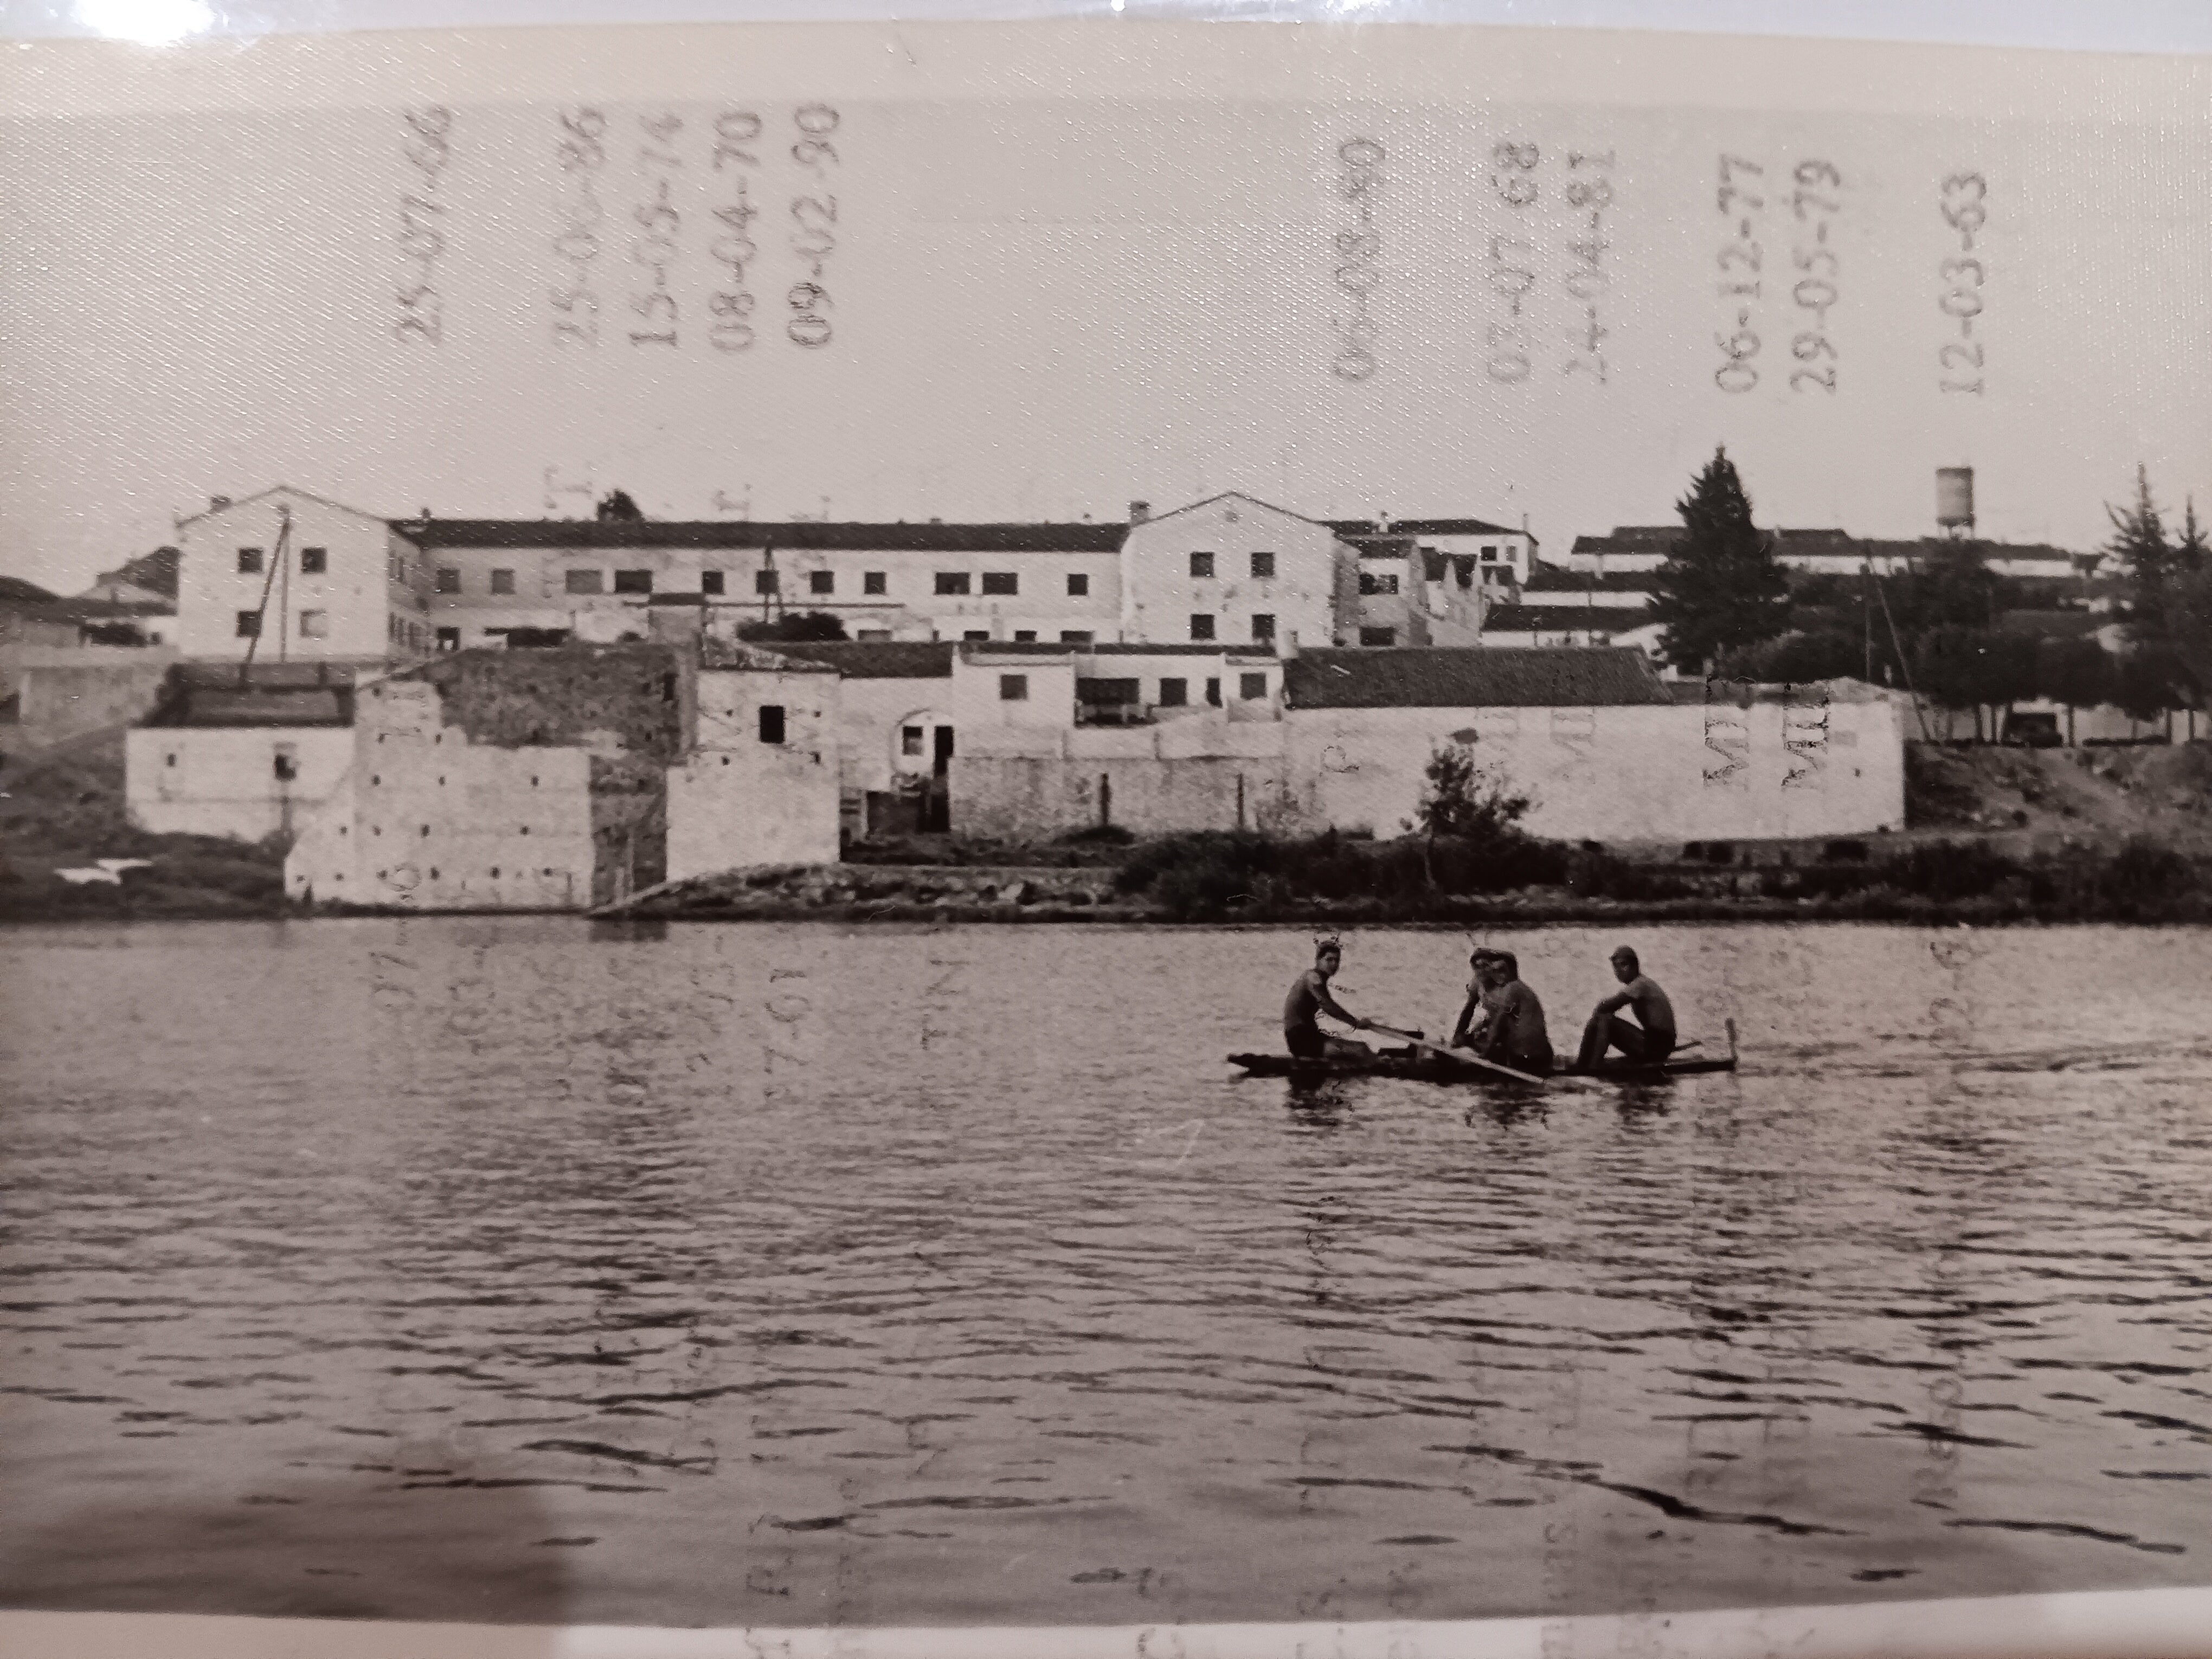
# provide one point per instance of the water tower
(1954, 500)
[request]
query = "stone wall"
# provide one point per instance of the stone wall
(246, 783)
(747, 796)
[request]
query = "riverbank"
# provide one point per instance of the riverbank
(1997, 837)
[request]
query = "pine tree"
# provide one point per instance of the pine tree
(1721, 589)
(2146, 560)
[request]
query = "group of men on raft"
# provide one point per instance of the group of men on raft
(1503, 1021)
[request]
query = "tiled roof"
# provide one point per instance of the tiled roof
(1485, 677)
(877, 660)
(1563, 619)
(804, 534)
(1115, 648)
(1420, 527)
(15, 590)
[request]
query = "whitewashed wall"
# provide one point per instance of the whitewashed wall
(221, 781)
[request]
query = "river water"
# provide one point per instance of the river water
(524, 1269)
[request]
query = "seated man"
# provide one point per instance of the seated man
(1646, 1043)
(1512, 1032)
(1302, 1032)
(1474, 1016)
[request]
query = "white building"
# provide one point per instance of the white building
(288, 576)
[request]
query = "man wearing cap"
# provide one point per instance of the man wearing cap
(1510, 1030)
(1646, 1042)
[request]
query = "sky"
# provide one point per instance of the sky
(1046, 306)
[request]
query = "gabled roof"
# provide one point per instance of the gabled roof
(277, 489)
(1227, 496)
(1491, 676)
(877, 660)
(155, 571)
(804, 534)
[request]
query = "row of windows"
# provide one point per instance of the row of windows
(1174, 693)
(1202, 627)
(313, 561)
(1263, 565)
(712, 583)
(313, 625)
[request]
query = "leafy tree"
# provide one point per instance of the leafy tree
(1975, 668)
(616, 507)
(794, 627)
(1721, 588)
(2076, 672)
(1956, 588)
(1460, 800)
(2147, 680)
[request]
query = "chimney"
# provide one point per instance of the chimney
(216, 503)
(1383, 523)
(1139, 511)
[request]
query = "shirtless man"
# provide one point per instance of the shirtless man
(1301, 1033)
(1473, 1017)
(1511, 1030)
(1647, 1041)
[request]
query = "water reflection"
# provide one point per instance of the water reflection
(780, 1275)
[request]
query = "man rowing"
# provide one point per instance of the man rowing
(1510, 1030)
(1309, 997)
(1647, 1041)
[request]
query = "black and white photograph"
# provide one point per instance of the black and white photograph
(1104, 837)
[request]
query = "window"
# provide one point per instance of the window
(710, 583)
(1001, 582)
(1201, 625)
(1025, 636)
(909, 740)
(1174, 694)
(767, 581)
(1263, 627)
(872, 581)
(1075, 636)
(1106, 694)
(1464, 572)
(633, 581)
(1378, 581)
(771, 722)
(1202, 564)
(584, 581)
(502, 581)
(976, 634)
(953, 581)
(314, 624)
(249, 561)
(1214, 693)
(1252, 688)
(1078, 586)
(1263, 566)
(449, 639)
(875, 634)
(1379, 636)
(314, 561)
(1014, 688)
(249, 624)
(449, 579)
(1490, 555)
(284, 764)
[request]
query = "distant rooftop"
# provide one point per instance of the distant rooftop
(1113, 648)
(1564, 619)
(1491, 676)
(1833, 543)
(796, 534)
(1357, 527)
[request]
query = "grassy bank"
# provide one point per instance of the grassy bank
(62, 809)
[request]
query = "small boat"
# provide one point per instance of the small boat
(1431, 1065)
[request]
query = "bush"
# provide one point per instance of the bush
(1103, 835)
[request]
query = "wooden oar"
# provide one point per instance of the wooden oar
(1464, 1056)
